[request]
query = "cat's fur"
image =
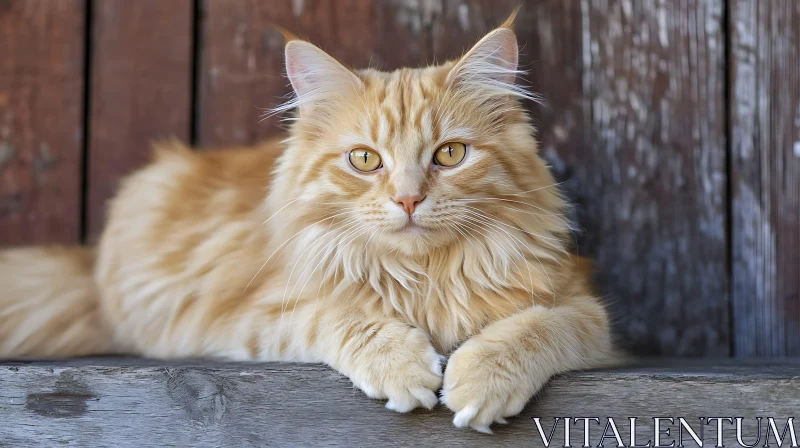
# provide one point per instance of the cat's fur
(285, 252)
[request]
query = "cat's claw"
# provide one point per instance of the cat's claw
(418, 397)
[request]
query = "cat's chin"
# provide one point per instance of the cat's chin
(416, 239)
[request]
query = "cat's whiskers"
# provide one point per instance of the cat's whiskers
(477, 211)
(572, 231)
(363, 226)
(520, 253)
(318, 254)
(491, 199)
(452, 224)
(560, 217)
(287, 297)
(285, 243)
(324, 277)
(506, 257)
(555, 184)
(544, 271)
(554, 243)
(517, 251)
(351, 222)
(281, 209)
(460, 226)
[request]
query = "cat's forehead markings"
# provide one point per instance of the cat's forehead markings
(402, 109)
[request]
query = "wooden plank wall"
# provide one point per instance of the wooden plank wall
(41, 120)
(765, 176)
(674, 126)
(140, 89)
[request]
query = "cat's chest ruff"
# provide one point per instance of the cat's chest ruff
(449, 308)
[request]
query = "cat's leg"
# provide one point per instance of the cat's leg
(384, 357)
(496, 372)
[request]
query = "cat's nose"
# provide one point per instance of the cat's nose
(409, 202)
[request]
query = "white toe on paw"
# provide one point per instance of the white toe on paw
(464, 416)
(402, 405)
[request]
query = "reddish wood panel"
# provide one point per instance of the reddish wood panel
(765, 167)
(141, 89)
(241, 62)
(41, 111)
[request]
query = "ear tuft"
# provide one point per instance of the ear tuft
(490, 67)
(490, 64)
(509, 22)
(316, 76)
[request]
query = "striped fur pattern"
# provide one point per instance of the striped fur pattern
(286, 252)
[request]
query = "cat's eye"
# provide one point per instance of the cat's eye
(450, 154)
(364, 159)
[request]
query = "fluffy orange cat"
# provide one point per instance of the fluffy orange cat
(406, 216)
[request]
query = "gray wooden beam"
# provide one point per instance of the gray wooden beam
(129, 402)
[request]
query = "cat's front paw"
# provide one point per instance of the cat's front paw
(401, 365)
(486, 381)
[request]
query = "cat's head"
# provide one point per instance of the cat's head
(417, 158)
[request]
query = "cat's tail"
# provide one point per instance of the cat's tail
(49, 305)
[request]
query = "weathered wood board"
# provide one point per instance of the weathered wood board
(146, 403)
(651, 173)
(765, 176)
(141, 90)
(41, 120)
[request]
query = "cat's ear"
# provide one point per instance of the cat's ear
(491, 65)
(315, 75)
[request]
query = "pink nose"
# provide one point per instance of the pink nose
(409, 202)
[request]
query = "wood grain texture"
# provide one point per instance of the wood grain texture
(765, 169)
(148, 403)
(652, 170)
(241, 63)
(141, 89)
(41, 130)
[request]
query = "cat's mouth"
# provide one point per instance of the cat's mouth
(412, 226)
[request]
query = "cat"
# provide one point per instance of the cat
(406, 216)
